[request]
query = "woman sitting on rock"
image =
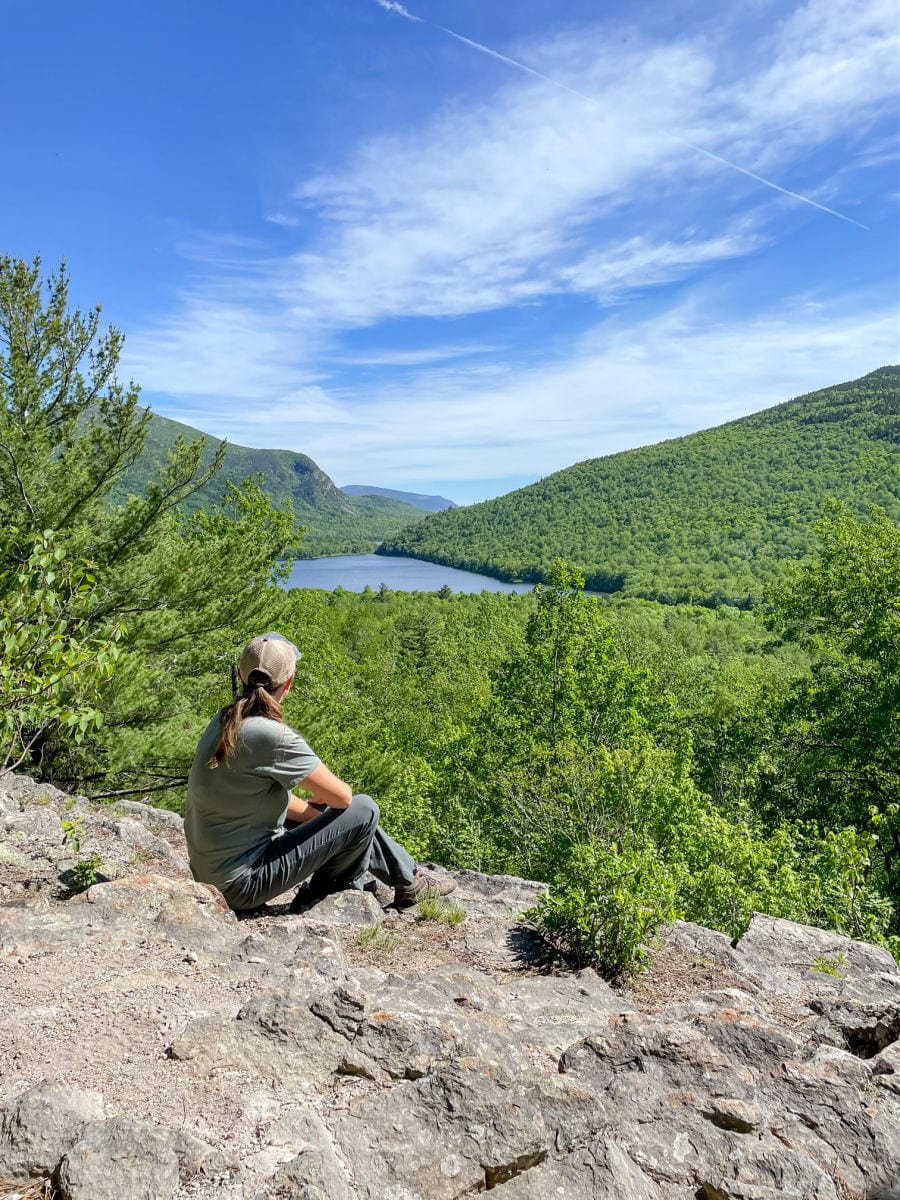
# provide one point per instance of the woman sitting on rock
(246, 831)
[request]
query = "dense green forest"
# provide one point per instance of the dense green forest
(647, 760)
(710, 517)
(334, 522)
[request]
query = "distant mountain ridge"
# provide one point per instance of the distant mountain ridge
(335, 522)
(417, 499)
(712, 517)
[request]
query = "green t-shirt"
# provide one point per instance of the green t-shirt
(233, 811)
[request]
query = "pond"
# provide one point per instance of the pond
(354, 571)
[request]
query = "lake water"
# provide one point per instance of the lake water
(354, 571)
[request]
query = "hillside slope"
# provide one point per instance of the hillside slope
(710, 517)
(334, 521)
(419, 499)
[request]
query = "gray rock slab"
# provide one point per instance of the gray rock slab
(864, 1012)
(151, 898)
(153, 818)
(33, 825)
(17, 791)
(13, 857)
(119, 1159)
(291, 956)
(194, 1155)
(504, 943)
(345, 908)
(782, 956)
(118, 912)
(140, 842)
(275, 1036)
(712, 1082)
(885, 1070)
(39, 1126)
(601, 1172)
(462, 1129)
(314, 1173)
(502, 896)
(704, 943)
(453, 1132)
(320, 954)
(412, 1029)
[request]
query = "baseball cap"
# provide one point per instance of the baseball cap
(271, 653)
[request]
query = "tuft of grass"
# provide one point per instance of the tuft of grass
(374, 937)
(435, 908)
(141, 856)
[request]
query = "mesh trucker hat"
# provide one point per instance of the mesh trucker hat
(272, 653)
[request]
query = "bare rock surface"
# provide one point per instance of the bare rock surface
(39, 1125)
(119, 1159)
(154, 1046)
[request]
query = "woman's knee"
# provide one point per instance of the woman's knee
(365, 809)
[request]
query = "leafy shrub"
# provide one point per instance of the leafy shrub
(603, 910)
(55, 658)
(728, 870)
(850, 901)
(85, 873)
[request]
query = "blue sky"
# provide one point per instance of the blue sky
(329, 227)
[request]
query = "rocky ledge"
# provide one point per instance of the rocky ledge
(154, 1047)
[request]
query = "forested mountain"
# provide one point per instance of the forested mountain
(711, 516)
(335, 522)
(418, 499)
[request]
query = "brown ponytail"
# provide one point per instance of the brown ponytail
(256, 701)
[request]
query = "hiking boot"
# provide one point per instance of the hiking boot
(424, 885)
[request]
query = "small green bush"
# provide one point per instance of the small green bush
(87, 866)
(605, 908)
(831, 965)
(85, 872)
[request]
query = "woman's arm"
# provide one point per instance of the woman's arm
(325, 788)
(300, 810)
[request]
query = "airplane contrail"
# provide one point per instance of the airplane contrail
(393, 7)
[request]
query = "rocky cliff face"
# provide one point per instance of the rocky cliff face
(154, 1047)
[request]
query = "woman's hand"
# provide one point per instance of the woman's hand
(301, 810)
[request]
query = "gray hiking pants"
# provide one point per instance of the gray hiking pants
(333, 852)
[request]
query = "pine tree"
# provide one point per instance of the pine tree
(187, 589)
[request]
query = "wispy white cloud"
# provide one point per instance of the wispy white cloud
(415, 358)
(624, 384)
(729, 163)
(490, 205)
(216, 348)
(826, 61)
(640, 262)
(527, 192)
